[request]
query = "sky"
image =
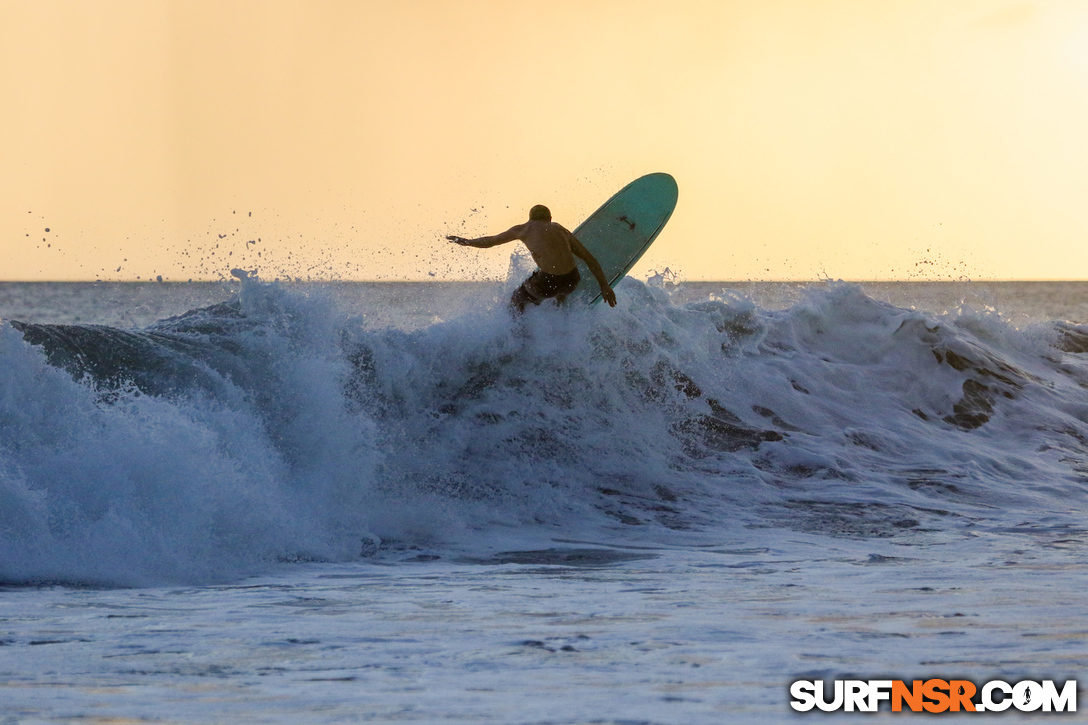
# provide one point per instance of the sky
(326, 139)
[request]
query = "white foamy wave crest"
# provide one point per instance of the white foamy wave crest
(126, 487)
(276, 427)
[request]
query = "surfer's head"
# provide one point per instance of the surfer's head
(540, 213)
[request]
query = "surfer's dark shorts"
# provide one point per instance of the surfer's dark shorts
(541, 286)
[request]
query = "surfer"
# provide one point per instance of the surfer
(553, 248)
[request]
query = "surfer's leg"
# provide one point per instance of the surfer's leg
(518, 300)
(522, 296)
(565, 285)
(542, 286)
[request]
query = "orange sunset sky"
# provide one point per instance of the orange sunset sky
(853, 139)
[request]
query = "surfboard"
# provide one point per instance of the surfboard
(623, 229)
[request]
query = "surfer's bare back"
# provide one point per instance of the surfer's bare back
(553, 248)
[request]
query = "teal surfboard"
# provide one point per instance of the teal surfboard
(620, 232)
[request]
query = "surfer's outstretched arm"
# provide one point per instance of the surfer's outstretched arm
(586, 256)
(510, 235)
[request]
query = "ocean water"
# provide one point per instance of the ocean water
(390, 503)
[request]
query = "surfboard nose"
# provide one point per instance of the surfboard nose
(623, 228)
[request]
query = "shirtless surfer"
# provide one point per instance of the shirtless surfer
(553, 249)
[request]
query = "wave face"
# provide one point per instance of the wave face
(277, 427)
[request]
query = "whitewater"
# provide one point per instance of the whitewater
(291, 502)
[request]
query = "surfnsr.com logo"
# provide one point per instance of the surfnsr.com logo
(934, 696)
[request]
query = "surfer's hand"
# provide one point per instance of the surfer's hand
(457, 240)
(609, 296)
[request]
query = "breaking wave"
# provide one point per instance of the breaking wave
(278, 427)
